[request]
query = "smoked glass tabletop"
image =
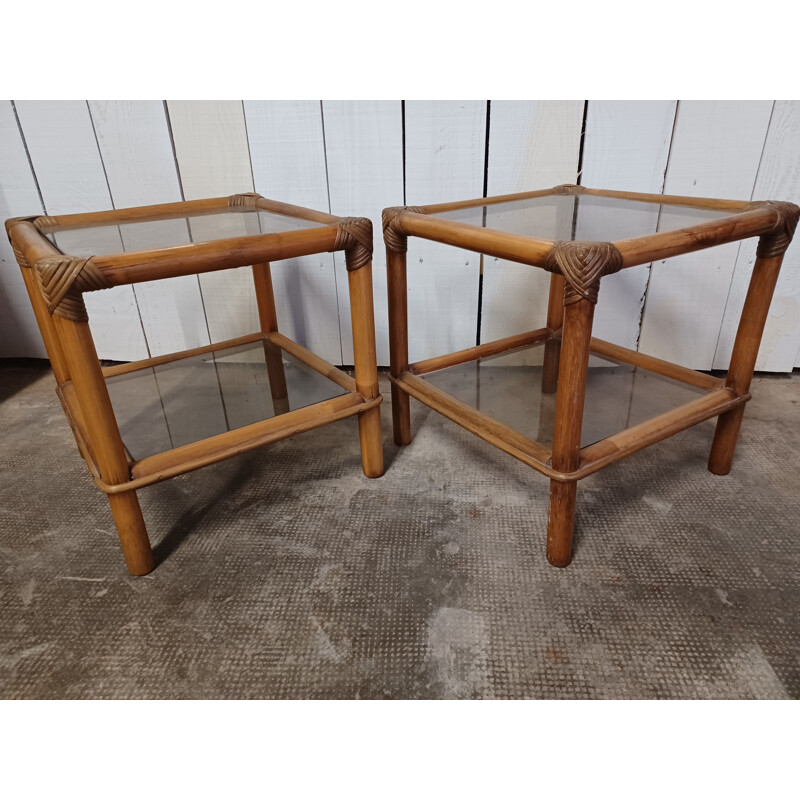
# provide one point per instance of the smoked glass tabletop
(123, 237)
(169, 405)
(582, 217)
(508, 389)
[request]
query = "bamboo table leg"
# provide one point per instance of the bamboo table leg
(745, 348)
(112, 463)
(552, 347)
(265, 299)
(366, 364)
(398, 335)
(574, 364)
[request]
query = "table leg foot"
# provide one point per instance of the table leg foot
(560, 522)
(401, 416)
(132, 533)
(369, 430)
(725, 438)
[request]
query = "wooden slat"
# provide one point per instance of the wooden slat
(620, 445)
(505, 345)
(287, 150)
(19, 333)
(625, 147)
(490, 430)
(657, 365)
(136, 149)
(61, 141)
(313, 360)
(716, 148)
(778, 179)
(364, 148)
(532, 145)
(445, 152)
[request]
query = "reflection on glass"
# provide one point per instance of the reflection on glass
(618, 396)
(582, 217)
(184, 401)
(155, 234)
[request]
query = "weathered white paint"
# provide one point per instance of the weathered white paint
(626, 148)
(532, 145)
(66, 161)
(778, 178)
(347, 157)
(445, 160)
(716, 149)
(287, 152)
(136, 148)
(364, 146)
(214, 160)
(19, 333)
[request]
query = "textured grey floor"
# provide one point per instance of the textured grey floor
(286, 573)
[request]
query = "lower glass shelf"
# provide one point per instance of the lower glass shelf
(168, 405)
(508, 388)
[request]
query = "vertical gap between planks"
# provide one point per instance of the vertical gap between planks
(658, 223)
(579, 173)
(403, 139)
(581, 146)
(333, 255)
(28, 155)
(485, 194)
(739, 246)
(113, 205)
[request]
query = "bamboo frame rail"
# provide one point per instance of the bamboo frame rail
(56, 282)
(577, 269)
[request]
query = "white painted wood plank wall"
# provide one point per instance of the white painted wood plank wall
(354, 158)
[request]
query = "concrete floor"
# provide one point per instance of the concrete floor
(287, 574)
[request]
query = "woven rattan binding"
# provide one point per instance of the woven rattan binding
(393, 236)
(64, 280)
(247, 199)
(776, 241)
(354, 236)
(583, 264)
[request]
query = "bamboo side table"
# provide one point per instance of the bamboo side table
(581, 235)
(64, 256)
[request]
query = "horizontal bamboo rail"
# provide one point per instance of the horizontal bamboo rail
(193, 259)
(572, 190)
(666, 368)
(515, 444)
(506, 345)
(523, 249)
(613, 448)
(312, 360)
(120, 216)
(443, 208)
(187, 458)
(657, 246)
(711, 203)
(290, 210)
(167, 358)
(190, 208)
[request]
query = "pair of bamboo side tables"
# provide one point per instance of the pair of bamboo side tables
(271, 388)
